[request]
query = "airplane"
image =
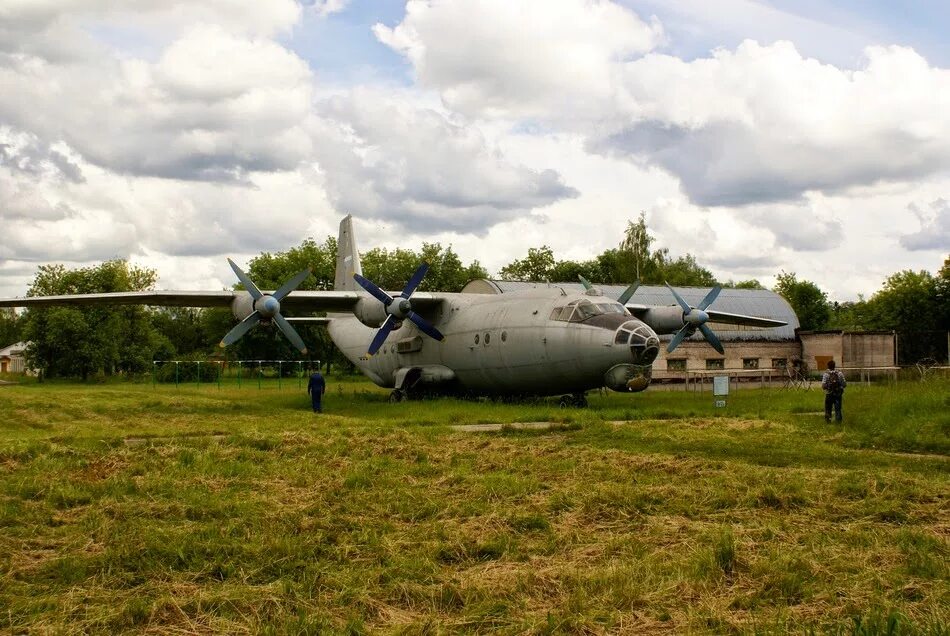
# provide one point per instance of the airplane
(534, 342)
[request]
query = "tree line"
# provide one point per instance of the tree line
(86, 341)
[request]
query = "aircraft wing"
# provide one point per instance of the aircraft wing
(739, 319)
(314, 301)
(719, 316)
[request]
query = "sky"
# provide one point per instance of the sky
(802, 136)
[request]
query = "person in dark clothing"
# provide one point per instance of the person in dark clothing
(832, 381)
(316, 388)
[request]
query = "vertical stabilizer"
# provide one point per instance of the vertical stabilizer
(347, 257)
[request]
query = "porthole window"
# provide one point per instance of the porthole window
(476, 338)
(504, 336)
(487, 338)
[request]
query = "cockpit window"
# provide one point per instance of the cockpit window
(583, 309)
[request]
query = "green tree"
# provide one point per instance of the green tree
(536, 266)
(907, 302)
(806, 298)
(752, 283)
(270, 271)
(68, 341)
(943, 296)
(11, 327)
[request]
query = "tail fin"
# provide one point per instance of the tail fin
(347, 257)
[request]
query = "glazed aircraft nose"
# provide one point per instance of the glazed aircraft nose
(643, 341)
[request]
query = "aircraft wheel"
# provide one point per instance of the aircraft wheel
(580, 401)
(396, 396)
(566, 401)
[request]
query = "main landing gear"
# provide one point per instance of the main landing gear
(398, 395)
(577, 400)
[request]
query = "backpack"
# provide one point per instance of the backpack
(834, 382)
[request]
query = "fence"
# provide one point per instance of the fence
(258, 374)
(697, 380)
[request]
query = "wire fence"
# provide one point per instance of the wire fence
(259, 374)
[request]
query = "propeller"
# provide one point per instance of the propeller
(267, 308)
(398, 308)
(695, 318)
(622, 299)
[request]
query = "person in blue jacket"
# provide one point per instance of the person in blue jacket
(316, 388)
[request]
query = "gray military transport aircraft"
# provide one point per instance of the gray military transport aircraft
(541, 341)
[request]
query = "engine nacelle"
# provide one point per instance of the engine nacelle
(664, 319)
(370, 312)
(242, 306)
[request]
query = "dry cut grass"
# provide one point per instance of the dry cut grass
(147, 510)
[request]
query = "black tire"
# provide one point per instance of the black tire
(566, 401)
(396, 396)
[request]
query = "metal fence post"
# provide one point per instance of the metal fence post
(176, 374)
(280, 374)
(197, 374)
(260, 374)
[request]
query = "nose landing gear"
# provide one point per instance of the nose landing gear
(577, 400)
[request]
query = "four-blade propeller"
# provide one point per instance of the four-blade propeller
(397, 309)
(266, 308)
(695, 318)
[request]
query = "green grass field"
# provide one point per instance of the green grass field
(135, 508)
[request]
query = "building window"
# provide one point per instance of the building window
(676, 364)
(750, 363)
(779, 363)
(715, 363)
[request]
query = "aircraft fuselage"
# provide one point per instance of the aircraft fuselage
(538, 342)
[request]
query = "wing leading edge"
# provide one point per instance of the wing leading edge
(315, 301)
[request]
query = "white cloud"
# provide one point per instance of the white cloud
(323, 8)
(520, 58)
(214, 106)
(391, 157)
(765, 124)
(934, 232)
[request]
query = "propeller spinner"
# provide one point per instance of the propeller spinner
(398, 308)
(695, 318)
(266, 307)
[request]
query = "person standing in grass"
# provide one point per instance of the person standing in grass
(316, 388)
(832, 381)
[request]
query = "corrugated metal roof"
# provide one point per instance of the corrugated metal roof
(751, 302)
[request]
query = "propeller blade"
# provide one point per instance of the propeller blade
(381, 335)
(585, 282)
(247, 282)
(290, 332)
(292, 284)
(425, 326)
(240, 329)
(628, 293)
(375, 291)
(712, 339)
(415, 280)
(679, 299)
(710, 297)
(681, 335)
